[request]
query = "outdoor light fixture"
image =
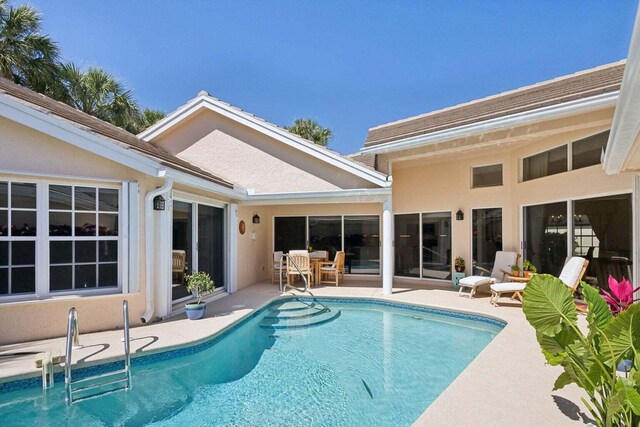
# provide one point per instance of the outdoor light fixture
(459, 215)
(256, 219)
(158, 203)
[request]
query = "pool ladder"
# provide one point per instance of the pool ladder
(283, 287)
(88, 383)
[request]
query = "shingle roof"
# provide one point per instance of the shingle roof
(584, 84)
(113, 133)
(368, 160)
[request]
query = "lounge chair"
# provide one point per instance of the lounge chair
(335, 269)
(570, 275)
(501, 268)
(299, 264)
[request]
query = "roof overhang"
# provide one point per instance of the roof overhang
(244, 118)
(362, 195)
(66, 131)
(521, 119)
(624, 142)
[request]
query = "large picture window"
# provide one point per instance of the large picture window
(57, 238)
(550, 162)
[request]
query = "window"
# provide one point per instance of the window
(83, 242)
(362, 244)
(588, 151)
(486, 176)
(547, 163)
(58, 239)
(407, 245)
(545, 236)
(436, 245)
(486, 236)
(18, 233)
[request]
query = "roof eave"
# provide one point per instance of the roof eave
(206, 101)
(555, 111)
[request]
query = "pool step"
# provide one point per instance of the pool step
(294, 306)
(299, 322)
(295, 314)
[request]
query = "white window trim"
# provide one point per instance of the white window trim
(42, 239)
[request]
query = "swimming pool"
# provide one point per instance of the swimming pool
(295, 362)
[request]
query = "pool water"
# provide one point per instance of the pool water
(318, 362)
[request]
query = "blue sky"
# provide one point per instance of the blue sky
(349, 64)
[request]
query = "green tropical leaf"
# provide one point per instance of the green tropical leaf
(548, 304)
(599, 314)
(630, 394)
(622, 335)
(563, 380)
(555, 347)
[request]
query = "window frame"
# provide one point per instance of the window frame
(42, 239)
(473, 168)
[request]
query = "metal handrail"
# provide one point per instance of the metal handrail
(304, 278)
(127, 346)
(72, 340)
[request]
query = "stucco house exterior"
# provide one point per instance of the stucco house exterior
(519, 170)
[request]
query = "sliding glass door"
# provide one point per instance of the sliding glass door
(290, 233)
(486, 236)
(545, 236)
(362, 244)
(436, 245)
(325, 234)
(407, 245)
(198, 236)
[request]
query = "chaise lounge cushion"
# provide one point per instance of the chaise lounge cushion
(508, 287)
(473, 281)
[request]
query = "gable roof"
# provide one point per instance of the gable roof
(205, 101)
(113, 134)
(585, 84)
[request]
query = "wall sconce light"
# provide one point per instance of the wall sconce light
(256, 219)
(158, 203)
(459, 215)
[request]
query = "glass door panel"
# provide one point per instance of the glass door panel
(602, 230)
(211, 243)
(436, 245)
(182, 241)
(362, 244)
(486, 236)
(325, 234)
(545, 236)
(407, 245)
(290, 233)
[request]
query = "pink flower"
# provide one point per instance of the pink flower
(621, 295)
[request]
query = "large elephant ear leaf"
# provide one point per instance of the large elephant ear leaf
(599, 314)
(548, 304)
(624, 393)
(622, 335)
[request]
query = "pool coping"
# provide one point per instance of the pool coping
(33, 379)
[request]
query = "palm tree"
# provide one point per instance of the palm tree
(310, 129)
(27, 56)
(148, 118)
(98, 93)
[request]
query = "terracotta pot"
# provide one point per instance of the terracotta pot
(528, 273)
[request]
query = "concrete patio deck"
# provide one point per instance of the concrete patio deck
(507, 384)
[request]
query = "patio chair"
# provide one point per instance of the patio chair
(333, 268)
(276, 271)
(570, 275)
(301, 260)
(501, 268)
(178, 266)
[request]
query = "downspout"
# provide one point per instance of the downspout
(149, 246)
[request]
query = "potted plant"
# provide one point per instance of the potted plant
(459, 264)
(515, 270)
(528, 268)
(198, 283)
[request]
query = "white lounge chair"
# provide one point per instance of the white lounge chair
(501, 268)
(570, 275)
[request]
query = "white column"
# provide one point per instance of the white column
(635, 214)
(387, 246)
(232, 248)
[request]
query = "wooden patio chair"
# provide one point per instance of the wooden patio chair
(301, 260)
(333, 268)
(178, 267)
